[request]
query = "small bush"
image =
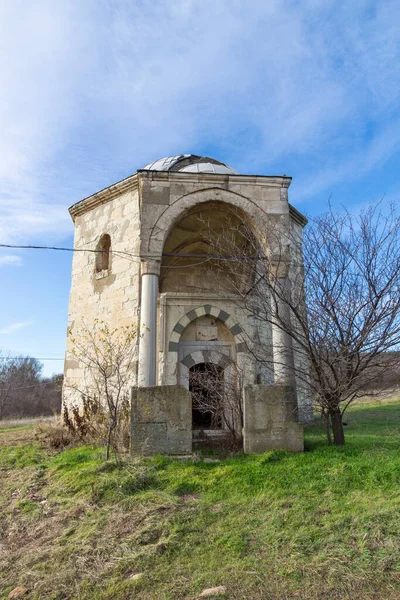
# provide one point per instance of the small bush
(54, 435)
(90, 424)
(107, 356)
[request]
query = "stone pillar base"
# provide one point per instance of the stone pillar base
(270, 419)
(161, 420)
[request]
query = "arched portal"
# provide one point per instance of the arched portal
(202, 281)
(207, 361)
(154, 239)
(206, 251)
(205, 340)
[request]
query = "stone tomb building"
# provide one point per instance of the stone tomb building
(193, 323)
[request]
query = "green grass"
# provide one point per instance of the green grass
(324, 524)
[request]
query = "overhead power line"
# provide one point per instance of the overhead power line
(130, 254)
(27, 358)
(59, 248)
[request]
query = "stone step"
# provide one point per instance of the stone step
(204, 434)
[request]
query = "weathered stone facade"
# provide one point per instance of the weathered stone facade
(152, 219)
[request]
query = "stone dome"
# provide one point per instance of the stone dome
(190, 163)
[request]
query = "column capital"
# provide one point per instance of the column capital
(150, 267)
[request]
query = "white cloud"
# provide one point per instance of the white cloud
(15, 327)
(11, 260)
(95, 90)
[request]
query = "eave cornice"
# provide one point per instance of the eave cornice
(271, 180)
(131, 184)
(297, 216)
(109, 193)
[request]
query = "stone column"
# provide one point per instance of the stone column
(283, 349)
(148, 324)
(282, 342)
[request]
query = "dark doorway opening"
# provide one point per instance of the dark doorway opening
(206, 385)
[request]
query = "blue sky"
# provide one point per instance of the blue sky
(93, 90)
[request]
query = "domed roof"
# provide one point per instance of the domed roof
(190, 163)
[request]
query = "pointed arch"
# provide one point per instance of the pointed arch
(207, 356)
(212, 311)
(175, 211)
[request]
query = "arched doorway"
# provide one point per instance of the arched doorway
(206, 386)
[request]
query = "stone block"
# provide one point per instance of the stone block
(270, 193)
(289, 438)
(178, 410)
(155, 194)
(161, 420)
(270, 419)
(295, 437)
(148, 438)
(179, 441)
(147, 407)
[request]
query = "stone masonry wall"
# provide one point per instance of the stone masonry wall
(113, 296)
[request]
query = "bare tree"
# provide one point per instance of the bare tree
(5, 384)
(24, 392)
(106, 356)
(336, 299)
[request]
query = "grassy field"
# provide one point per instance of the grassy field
(28, 421)
(321, 525)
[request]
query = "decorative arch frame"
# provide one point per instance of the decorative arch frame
(212, 311)
(173, 212)
(207, 356)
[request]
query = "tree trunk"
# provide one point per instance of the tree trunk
(111, 428)
(108, 444)
(337, 427)
(325, 418)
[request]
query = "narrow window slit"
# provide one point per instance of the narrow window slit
(103, 254)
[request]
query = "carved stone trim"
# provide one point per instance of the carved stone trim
(206, 310)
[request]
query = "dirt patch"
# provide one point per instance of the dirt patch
(17, 436)
(10, 423)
